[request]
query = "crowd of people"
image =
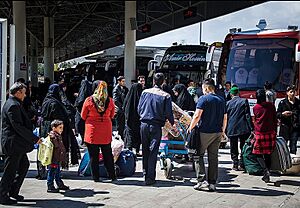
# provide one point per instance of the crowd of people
(138, 115)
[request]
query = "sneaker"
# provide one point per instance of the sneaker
(201, 185)
(52, 189)
(266, 177)
(235, 167)
(17, 197)
(63, 187)
(212, 187)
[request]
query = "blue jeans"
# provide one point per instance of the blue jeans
(54, 173)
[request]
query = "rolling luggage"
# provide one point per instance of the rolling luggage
(250, 161)
(281, 158)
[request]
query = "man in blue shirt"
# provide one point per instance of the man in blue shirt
(155, 107)
(211, 117)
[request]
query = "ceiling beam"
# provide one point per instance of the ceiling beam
(38, 40)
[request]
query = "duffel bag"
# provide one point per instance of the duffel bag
(126, 163)
(249, 159)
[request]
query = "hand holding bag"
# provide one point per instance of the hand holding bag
(193, 140)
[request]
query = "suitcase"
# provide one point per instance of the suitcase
(281, 158)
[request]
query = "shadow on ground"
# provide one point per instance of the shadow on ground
(255, 191)
(287, 182)
(82, 193)
(54, 203)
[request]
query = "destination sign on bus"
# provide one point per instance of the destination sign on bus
(185, 58)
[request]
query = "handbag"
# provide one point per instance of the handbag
(193, 140)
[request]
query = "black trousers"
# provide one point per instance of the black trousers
(234, 148)
(93, 150)
(151, 136)
(15, 170)
(120, 123)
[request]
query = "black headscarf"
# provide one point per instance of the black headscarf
(184, 99)
(131, 103)
(52, 107)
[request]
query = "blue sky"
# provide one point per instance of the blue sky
(278, 14)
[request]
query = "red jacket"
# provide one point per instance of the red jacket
(98, 130)
(265, 117)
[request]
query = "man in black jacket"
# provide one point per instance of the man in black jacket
(238, 127)
(288, 113)
(119, 93)
(17, 140)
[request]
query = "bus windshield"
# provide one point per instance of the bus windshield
(184, 63)
(252, 62)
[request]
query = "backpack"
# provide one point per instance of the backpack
(250, 161)
(126, 163)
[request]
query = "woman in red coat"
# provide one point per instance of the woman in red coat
(97, 112)
(265, 124)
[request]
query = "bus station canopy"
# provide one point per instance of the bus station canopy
(84, 27)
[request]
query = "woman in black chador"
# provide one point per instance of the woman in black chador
(132, 119)
(53, 108)
(183, 98)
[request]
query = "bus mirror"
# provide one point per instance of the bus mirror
(110, 64)
(152, 65)
(297, 52)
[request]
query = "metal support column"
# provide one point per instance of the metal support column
(130, 39)
(49, 48)
(19, 18)
(33, 61)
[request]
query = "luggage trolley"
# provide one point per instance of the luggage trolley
(166, 153)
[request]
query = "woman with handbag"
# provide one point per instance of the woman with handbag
(265, 125)
(98, 111)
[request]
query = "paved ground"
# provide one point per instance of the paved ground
(235, 189)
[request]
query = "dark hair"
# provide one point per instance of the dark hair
(291, 87)
(22, 80)
(158, 79)
(189, 81)
(210, 84)
(268, 85)
(56, 123)
(120, 78)
(141, 77)
(261, 96)
(234, 85)
(228, 82)
(16, 87)
(209, 81)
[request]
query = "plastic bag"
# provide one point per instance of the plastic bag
(117, 146)
(45, 151)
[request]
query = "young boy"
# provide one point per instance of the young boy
(59, 155)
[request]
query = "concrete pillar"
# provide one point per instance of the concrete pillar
(33, 61)
(49, 47)
(19, 18)
(130, 39)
